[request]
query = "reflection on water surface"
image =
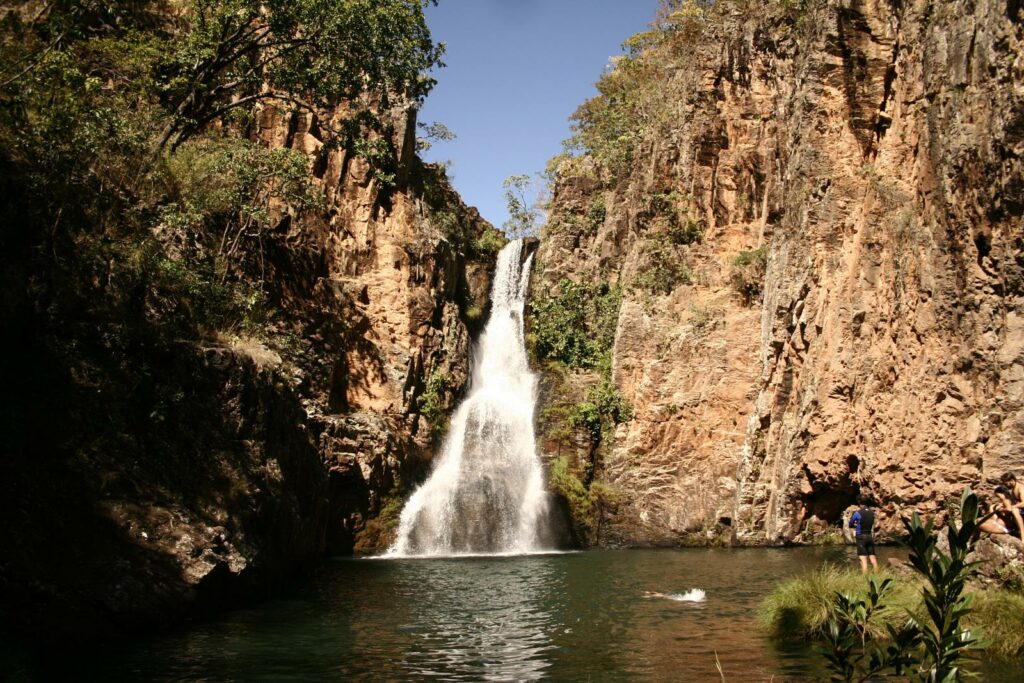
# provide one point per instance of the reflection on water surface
(568, 617)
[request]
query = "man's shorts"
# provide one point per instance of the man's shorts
(865, 545)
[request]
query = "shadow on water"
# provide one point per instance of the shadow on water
(562, 617)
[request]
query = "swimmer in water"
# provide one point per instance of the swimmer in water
(692, 595)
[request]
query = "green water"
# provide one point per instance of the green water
(569, 617)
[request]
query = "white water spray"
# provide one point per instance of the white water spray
(486, 493)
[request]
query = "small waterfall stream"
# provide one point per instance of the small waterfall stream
(486, 492)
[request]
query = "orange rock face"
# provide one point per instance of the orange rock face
(867, 160)
(391, 302)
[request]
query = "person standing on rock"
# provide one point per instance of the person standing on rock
(863, 524)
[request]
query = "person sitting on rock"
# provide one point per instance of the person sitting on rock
(994, 524)
(863, 523)
(1009, 508)
(1009, 480)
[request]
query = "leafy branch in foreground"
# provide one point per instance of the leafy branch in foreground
(931, 649)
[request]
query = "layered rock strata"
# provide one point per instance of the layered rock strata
(849, 318)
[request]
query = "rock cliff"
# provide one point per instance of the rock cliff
(813, 212)
(146, 481)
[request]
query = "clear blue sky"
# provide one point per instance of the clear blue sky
(516, 70)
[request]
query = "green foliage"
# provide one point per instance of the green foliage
(675, 230)
(452, 220)
(433, 402)
(523, 217)
(596, 214)
(944, 635)
(92, 92)
(490, 241)
(603, 408)
(434, 131)
(585, 502)
(307, 54)
(235, 183)
(575, 323)
(850, 646)
(747, 273)
(663, 269)
(933, 642)
(630, 106)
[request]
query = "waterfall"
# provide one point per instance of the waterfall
(486, 492)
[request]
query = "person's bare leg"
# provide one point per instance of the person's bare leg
(874, 561)
(863, 564)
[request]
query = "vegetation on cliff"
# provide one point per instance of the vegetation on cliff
(179, 335)
(132, 191)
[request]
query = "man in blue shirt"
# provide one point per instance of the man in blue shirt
(863, 523)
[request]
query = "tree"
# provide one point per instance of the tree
(523, 216)
(309, 54)
(435, 131)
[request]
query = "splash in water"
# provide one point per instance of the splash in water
(692, 595)
(486, 493)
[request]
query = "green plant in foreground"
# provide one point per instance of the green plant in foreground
(934, 645)
(849, 634)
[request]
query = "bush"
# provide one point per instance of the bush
(575, 323)
(603, 408)
(596, 214)
(747, 273)
(585, 503)
(664, 270)
(433, 402)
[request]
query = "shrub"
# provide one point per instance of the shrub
(664, 270)
(433, 402)
(687, 231)
(489, 241)
(747, 273)
(596, 214)
(574, 323)
(585, 502)
(603, 408)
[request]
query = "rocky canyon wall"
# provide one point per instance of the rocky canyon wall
(813, 210)
(146, 483)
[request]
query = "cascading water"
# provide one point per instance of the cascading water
(486, 493)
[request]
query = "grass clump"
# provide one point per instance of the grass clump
(999, 613)
(801, 607)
